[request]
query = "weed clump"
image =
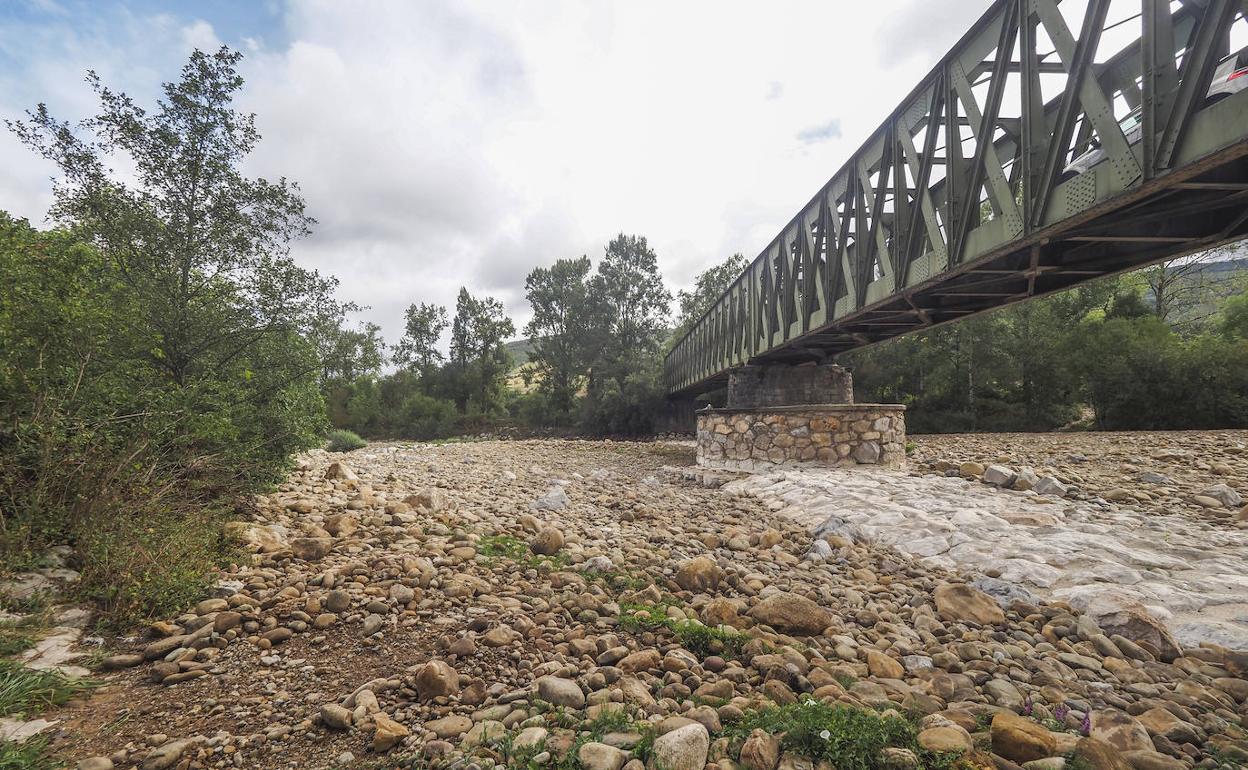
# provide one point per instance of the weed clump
(847, 737)
(509, 547)
(345, 441)
(696, 637)
(27, 690)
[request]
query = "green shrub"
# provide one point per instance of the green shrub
(342, 440)
(424, 417)
(627, 407)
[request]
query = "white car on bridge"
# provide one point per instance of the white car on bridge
(1230, 76)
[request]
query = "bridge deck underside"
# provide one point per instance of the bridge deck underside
(961, 203)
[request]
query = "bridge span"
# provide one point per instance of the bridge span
(1057, 142)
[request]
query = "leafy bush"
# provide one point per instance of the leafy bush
(424, 417)
(341, 440)
(625, 408)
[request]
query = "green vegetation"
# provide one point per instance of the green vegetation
(159, 351)
(508, 547)
(1137, 361)
(31, 754)
(26, 690)
(694, 636)
(849, 738)
(21, 634)
(341, 440)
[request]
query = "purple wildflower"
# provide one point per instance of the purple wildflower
(1060, 711)
(1027, 706)
(1086, 727)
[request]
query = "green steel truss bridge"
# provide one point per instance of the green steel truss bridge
(969, 196)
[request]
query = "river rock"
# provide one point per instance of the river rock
(960, 602)
(792, 614)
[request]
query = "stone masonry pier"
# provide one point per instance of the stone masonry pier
(794, 436)
(782, 416)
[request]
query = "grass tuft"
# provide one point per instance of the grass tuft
(513, 548)
(345, 441)
(696, 637)
(26, 690)
(31, 754)
(21, 634)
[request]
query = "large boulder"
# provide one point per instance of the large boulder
(1120, 730)
(546, 542)
(1019, 739)
(1047, 485)
(998, 476)
(883, 666)
(1119, 613)
(436, 679)
(431, 500)
(1224, 495)
(600, 756)
(555, 499)
(960, 602)
(684, 748)
(388, 733)
(264, 538)
(760, 751)
(699, 574)
(946, 739)
(340, 471)
(792, 614)
(1100, 755)
(723, 612)
(561, 692)
(311, 548)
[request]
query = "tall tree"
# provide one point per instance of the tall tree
(424, 324)
(205, 247)
(478, 332)
(348, 354)
(203, 250)
(560, 327)
(630, 306)
(1185, 292)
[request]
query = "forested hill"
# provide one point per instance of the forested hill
(519, 351)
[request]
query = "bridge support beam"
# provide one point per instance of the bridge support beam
(781, 416)
(785, 385)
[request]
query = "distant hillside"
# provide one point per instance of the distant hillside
(519, 350)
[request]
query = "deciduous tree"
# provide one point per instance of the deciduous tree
(560, 328)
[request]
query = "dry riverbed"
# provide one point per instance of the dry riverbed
(591, 605)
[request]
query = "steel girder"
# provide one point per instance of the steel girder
(958, 202)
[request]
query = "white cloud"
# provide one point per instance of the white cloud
(446, 143)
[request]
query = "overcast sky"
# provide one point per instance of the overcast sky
(442, 144)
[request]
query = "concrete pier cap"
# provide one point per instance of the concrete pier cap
(791, 416)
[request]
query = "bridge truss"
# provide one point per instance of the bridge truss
(962, 200)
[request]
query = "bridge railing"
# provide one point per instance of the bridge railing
(977, 160)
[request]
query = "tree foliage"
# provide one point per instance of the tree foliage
(479, 362)
(161, 350)
(630, 307)
(1037, 365)
(560, 328)
(423, 327)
